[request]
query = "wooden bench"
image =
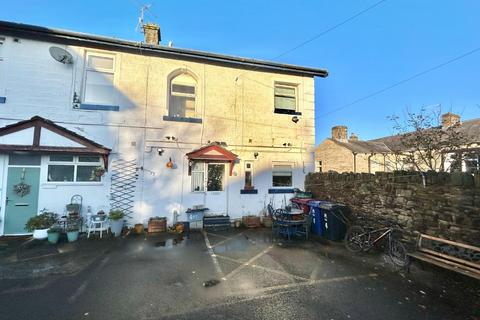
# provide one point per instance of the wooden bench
(451, 255)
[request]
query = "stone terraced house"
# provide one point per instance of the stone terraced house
(152, 129)
(341, 153)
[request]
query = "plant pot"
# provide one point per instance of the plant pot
(40, 234)
(267, 222)
(116, 227)
(53, 237)
(72, 235)
(139, 228)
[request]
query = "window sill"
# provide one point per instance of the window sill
(98, 107)
(281, 190)
(70, 183)
(3, 99)
(248, 191)
(182, 119)
(289, 112)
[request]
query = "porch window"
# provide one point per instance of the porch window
(182, 97)
(198, 176)
(216, 176)
(99, 79)
(285, 100)
(282, 175)
(67, 168)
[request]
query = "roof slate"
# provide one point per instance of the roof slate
(470, 128)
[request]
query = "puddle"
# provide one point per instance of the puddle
(169, 242)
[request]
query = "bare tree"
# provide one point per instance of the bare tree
(424, 145)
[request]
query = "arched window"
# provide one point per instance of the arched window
(182, 96)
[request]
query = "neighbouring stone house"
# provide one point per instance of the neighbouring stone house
(173, 128)
(342, 154)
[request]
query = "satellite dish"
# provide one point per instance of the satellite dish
(61, 55)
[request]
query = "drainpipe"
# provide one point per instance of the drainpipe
(354, 162)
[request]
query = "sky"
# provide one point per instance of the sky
(394, 41)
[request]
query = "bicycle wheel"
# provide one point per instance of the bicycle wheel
(355, 238)
(398, 253)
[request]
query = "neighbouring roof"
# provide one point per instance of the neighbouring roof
(96, 41)
(363, 146)
(470, 128)
(85, 145)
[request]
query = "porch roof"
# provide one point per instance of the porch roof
(40, 135)
(213, 152)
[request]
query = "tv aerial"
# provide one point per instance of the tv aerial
(61, 55)
(140, 23)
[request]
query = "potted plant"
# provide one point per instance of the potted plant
(54, 234)
(72, 229)
(97, 173)
(40, 224)
(116, 221)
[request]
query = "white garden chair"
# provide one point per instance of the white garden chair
(97, 223)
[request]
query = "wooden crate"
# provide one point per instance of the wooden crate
(251, 221)
(157, 225)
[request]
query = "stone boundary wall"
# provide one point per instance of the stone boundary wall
(447, 207)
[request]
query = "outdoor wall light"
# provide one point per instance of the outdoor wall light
(255, 155)
(160, 151)
(295, 119)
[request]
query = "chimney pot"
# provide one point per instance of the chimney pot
(450, 119)
(340, 133)
(353, 137)
(152, 33)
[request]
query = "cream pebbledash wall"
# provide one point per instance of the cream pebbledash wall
(236, 107)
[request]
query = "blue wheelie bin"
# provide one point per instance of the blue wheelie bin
(318, 218)
(335, 221)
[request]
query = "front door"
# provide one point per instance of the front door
(216, 195)
(22, 198)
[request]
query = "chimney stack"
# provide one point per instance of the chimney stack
(450, 119)
(339, 133)
(152, 33)
(353, 137)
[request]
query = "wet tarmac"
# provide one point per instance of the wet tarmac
(238, 274)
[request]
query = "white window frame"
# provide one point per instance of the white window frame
(186, 95)
(100, 70)
(292, 167)
(252, 173)
(203, 180)
(75, 163)
(205, 177)
(289, 86)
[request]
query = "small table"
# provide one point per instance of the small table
(290, 221)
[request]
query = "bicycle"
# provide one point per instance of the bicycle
(360, 239)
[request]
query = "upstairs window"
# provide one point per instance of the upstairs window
(182, 98)
(99, 79)
(320, 169)
(285, 100)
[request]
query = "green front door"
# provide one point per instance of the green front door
(22, 198)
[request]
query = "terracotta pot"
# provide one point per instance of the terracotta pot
(139, 228)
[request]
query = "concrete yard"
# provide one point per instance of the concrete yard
(251, 274)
